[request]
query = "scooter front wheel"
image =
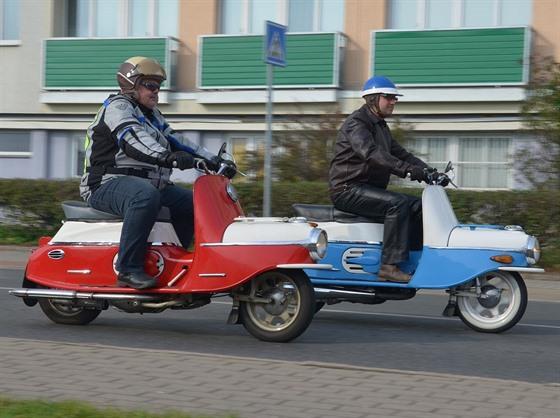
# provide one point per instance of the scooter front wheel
(500, 305)
(288, 310)
(62, 312)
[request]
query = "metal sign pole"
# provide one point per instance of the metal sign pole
(274, 54)
(268, 145)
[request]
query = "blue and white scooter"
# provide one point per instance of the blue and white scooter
(480, 266)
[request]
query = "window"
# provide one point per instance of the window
(484, 162)
(119, 18)
(15, 144)
(248, 16)
(438, 14)
(248, 152)
(9, 20)
(78, 153)
(479, 162)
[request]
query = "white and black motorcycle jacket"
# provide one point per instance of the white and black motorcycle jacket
(128, 139)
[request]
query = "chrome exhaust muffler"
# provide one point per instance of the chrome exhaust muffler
(322, 293)
(72, 294)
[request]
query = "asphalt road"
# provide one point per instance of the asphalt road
(405, 335)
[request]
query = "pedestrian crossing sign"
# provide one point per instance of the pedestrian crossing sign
(275, 44)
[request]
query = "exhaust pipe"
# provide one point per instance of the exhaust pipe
(322, 293)
(375, 296)
(72, 294)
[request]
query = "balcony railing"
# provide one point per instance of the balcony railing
(482, 56)
(92, 63)
(236, 61)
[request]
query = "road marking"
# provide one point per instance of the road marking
(393, 314)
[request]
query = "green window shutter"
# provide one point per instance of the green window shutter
(452, 57)
(237, 61)
(82, 63)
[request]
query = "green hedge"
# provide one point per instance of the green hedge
(31, 208)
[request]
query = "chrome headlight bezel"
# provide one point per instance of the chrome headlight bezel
(317, 245)
(533, 251)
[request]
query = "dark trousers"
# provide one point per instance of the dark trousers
(402, 218)
(138, 202)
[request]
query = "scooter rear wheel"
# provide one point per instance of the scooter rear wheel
(290, 310)
(64, 313)
(501, 305)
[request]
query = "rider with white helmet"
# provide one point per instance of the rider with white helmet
(366, 155)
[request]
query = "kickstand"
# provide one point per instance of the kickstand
(451, 308)
(233, 317)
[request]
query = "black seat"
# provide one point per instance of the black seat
(328, 213)
(80, 211)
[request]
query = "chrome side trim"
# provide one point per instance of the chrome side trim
(233, 244)
(334, 241)
(211, 275)
(523, 269)
(306, 266)
(518, 250)
(84, 243)
(85, 271)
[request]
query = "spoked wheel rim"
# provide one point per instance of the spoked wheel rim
(500, 306)
(284, 306)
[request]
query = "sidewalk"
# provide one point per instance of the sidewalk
(157, 380)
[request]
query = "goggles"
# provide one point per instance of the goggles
(390, 97)
(150, 85)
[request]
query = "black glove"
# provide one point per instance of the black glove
(418, 173)
(213, 163)
(230, 169)
(178, 159)
(442, 180)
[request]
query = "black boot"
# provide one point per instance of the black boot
(136, 280)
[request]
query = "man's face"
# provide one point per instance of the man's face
(387, 104)
(148, 92)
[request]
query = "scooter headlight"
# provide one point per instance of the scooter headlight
(317, 244)
(533, 252)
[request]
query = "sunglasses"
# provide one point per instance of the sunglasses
(390, 97)
(150, 85)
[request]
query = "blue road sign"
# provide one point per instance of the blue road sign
(275, 44)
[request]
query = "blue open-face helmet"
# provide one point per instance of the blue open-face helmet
(379, 84)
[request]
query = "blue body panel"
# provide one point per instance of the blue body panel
(434, 268)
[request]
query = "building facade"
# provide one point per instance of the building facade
(463, 66)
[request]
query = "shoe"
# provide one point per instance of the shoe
(391, 273)
(136, 280)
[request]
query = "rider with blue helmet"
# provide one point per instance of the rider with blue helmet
(366, 155)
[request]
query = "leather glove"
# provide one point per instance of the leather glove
(230, 169)
(417, 173)
(213, 163)
(442, 180)
(178, 159)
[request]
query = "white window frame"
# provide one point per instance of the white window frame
(9, 42)
(282, 11)
(18, 154)
(452, 154)
(458, 14)
(125, 16)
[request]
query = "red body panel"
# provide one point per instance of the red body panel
(89, 268)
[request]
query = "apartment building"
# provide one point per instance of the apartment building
(462, 65)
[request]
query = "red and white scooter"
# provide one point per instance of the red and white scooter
(259, 262)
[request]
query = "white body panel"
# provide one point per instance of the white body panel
(109, 232)
(355, 232)
(480, 237)
(437, 216)
(244, 230)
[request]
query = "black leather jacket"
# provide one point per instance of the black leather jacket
(365, 152)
